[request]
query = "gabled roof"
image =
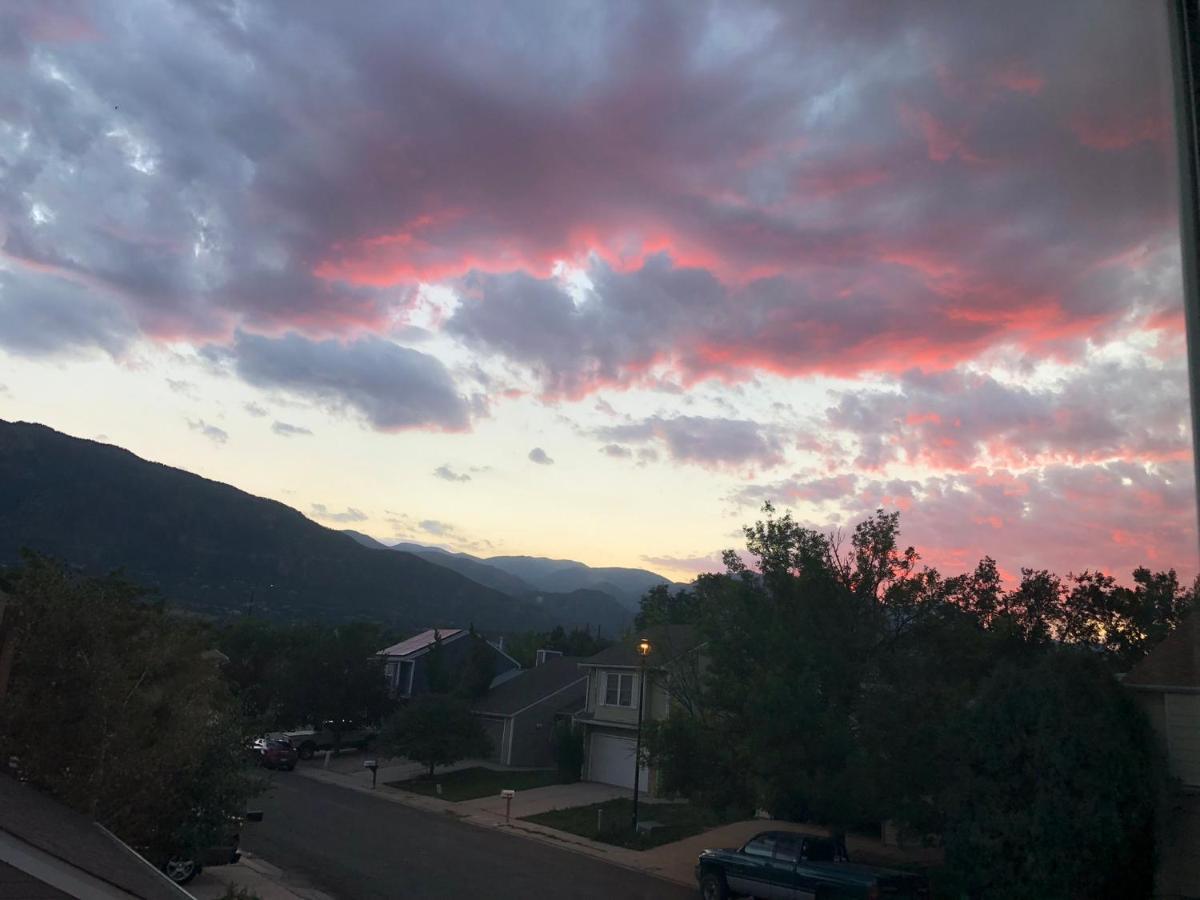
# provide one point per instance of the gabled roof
(75, 842)
(531, 686)
(667, 643)
(1175, 663)
(422, 641)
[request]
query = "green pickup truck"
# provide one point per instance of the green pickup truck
(787, 865)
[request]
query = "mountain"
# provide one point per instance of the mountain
(626, 585)
(587, 606)
(215, 549)
(472, 567)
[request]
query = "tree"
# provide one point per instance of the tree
(480, 669)
(292, 675)
(661, 606)
(121, 711)
(568, 750)
(434, 730)
(1054, 791)
(437, 674)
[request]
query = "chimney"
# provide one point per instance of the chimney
(543, 655)
(500, 643)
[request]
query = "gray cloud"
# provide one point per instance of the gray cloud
(538, 455)
(212, 432)
(349, 515)
(616, 451)
(41, 315)
(958, 419)
(703, 440)
(446, 473)
(254, 409)
(393, 388)
(180, 386)
(283, 429)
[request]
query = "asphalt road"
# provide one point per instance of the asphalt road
(359, 847)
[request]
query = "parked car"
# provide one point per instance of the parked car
(275, 751)
(181, 866)
(787, 864)
(330, 735)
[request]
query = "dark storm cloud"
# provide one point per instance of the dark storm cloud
(393, 388)
(539, 456)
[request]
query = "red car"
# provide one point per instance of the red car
(275, 752)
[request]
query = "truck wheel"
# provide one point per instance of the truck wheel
(181, 869)
(713, 887)
(307, 749)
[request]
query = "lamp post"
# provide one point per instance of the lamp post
(643, 649)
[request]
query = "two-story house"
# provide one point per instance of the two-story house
(407, 664)
(609, 718)
(1166, 685)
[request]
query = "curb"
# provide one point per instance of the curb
(552, 837)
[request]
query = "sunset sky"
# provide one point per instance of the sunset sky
(594, 280)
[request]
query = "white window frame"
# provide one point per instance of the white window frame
(632, 690)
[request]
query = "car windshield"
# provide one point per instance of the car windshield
(637, 425)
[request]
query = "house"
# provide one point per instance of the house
(48, 852)
(520, 713)
(1167, 685)
(407, 664)
(609, 717)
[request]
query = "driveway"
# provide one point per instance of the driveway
(357, 846)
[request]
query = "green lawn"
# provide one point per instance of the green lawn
(470, 784)
(676, 821)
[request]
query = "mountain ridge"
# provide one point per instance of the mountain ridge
(215, 549)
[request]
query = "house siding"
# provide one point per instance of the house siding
(455, 654)
(494, 728)
(1182, 720)
(533, 728)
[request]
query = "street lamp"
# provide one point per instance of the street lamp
(643, 649)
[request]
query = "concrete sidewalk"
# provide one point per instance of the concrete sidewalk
(256, 876)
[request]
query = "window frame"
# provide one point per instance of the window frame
(619, 676)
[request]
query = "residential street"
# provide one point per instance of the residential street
(358, 847)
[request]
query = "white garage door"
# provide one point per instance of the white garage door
(1183, 736)
(610, 761)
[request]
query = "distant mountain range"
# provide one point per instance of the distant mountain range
(532, 575)
(217, 550)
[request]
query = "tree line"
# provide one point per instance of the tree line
(842, 682)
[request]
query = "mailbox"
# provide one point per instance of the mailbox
(370, 764)
(508, 795)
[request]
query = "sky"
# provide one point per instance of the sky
(597, 280)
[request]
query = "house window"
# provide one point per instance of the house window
(618, 689)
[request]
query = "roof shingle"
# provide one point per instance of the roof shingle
(530, 686)
(1173, 663)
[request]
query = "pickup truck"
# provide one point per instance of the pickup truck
(787, 865)
(330, 735)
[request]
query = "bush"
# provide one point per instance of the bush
(568, 751)
(1056, 789)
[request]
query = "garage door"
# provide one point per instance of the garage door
(1183, 736)
(610, 761)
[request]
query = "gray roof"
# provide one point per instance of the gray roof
(422, 641)
(667, 642)
(42, 822)
(531, 686)
(1175, 663)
